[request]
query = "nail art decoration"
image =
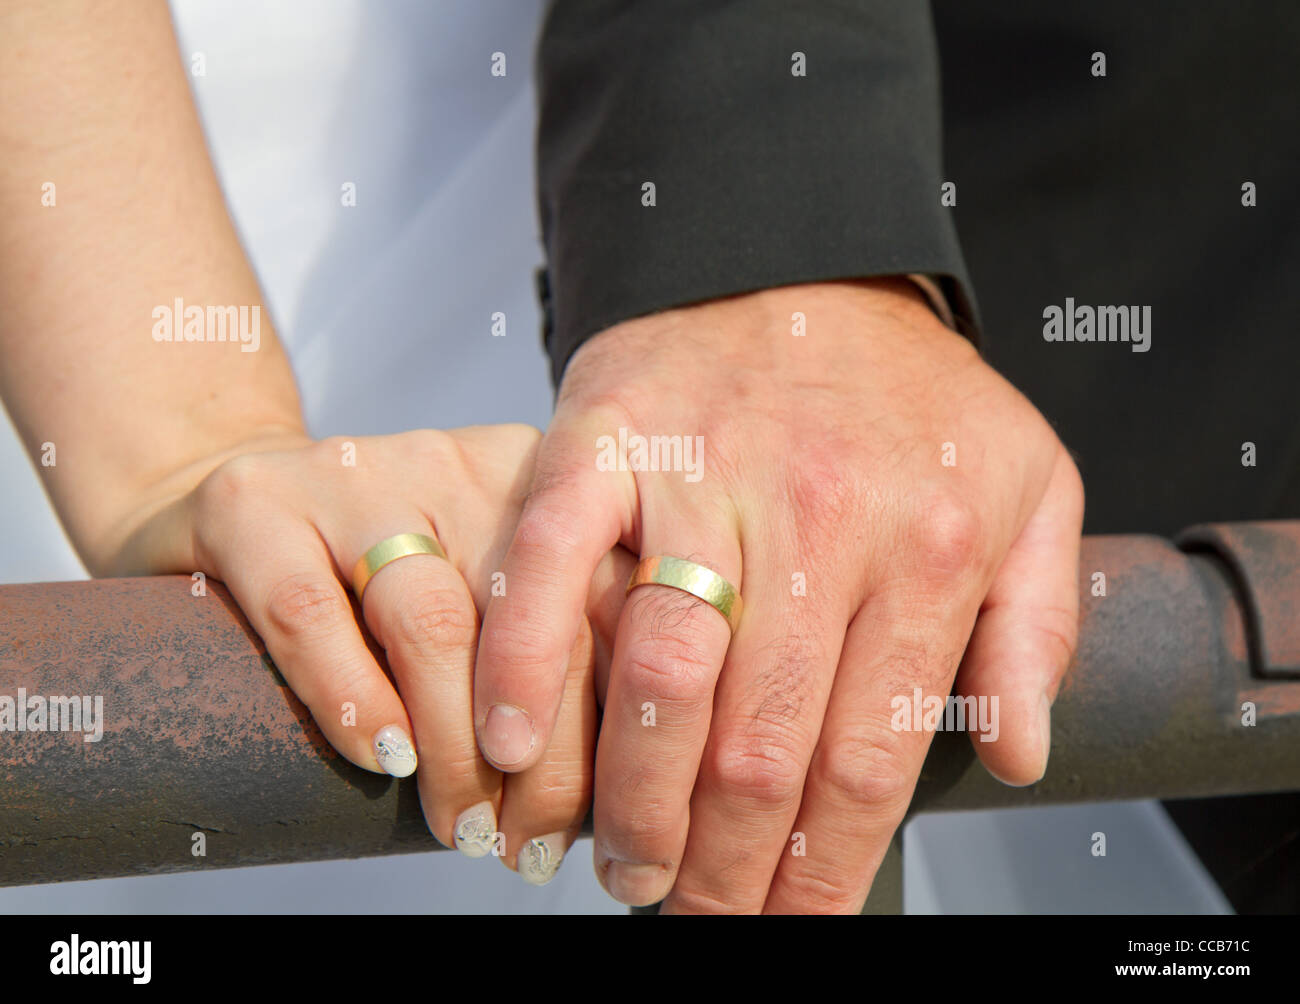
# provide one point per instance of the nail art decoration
(475, 830)
(540, 859)
(395, 751)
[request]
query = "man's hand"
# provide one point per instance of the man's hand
(884, 501)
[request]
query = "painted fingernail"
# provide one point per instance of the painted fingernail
(540, 858)
(636, 884)
(508, 735)
(476, 830)
(395, 751)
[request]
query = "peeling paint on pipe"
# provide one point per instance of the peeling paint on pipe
(200, 735)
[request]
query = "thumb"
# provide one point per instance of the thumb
(1026, 633)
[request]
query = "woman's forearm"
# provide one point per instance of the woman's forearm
(133, 337)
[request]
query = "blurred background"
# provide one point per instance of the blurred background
(385, 308)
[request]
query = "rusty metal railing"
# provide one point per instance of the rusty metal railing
(201, 735)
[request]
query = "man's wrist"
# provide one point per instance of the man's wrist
(733, 320)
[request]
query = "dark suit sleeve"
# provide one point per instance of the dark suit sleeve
(762, 177)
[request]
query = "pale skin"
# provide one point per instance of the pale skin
(823, 456)
(194, 457)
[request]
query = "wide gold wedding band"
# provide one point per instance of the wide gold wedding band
(705, 583)
(402, 545)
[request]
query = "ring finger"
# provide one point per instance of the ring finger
(420, 611)
(667, 655)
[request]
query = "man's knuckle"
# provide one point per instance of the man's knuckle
(673, 655)
(757, 768)
(526, 648)
(952, 534)
(815, 893)
(699, 901)
(866, 773)
(550, 529)
(657, 676)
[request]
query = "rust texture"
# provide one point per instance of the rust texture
(1264, 562)
(201, 735)
(1155, 704)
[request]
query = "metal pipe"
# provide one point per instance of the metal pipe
(1159, 701)
(200, 735)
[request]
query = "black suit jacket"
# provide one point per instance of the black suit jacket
(1123, 189)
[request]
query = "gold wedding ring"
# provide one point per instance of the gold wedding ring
(704, 583)
(386, 551)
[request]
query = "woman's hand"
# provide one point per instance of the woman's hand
(283, 525)
(203, 464)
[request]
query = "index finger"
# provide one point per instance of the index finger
(574, 516)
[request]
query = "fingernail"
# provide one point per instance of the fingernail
(507, 735)
(540, 858)
(636, 884)
(394, 751)
(476, 830)
(1045, 729)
